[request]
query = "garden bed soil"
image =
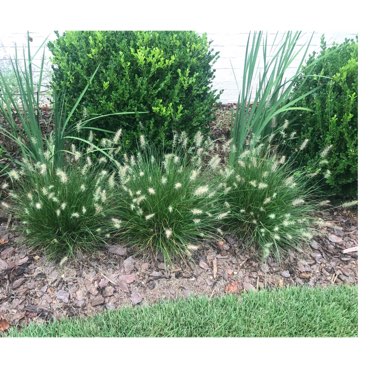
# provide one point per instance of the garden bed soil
(35, 289)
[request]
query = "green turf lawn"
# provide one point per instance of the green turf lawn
(290, 312)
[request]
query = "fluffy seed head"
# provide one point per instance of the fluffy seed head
(201, 190)
(116, 223)
(111, 180)
(13, 174)
(117, 136)
(178, 185)
(150, 216)
(193, 175)
(297, 202)
(222, 215)
(62, 176)
(326, 151)
(304, 143)
(214, 162)
(349, 204)
(289, 181)
(43, 169)
(168, 233)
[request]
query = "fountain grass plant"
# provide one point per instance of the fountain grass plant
(59, 192)
(169, 203)
(62, 211)
(270, 206)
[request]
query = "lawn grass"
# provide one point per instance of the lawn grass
(289, 312)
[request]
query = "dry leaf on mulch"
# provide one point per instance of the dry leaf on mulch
(4, 325)
(232, 287)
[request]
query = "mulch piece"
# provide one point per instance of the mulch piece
(34, 289)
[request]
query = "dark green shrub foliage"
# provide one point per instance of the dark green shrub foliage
(168, 74)
(334, 117)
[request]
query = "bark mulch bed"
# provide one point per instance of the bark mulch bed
(34, 289)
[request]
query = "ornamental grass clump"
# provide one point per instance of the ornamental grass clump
(168, 203)
(269, 206)
(62, 211)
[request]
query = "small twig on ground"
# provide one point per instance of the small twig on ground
(107, 278)
(349, 250)
(214, 267)
(9, 221)
(243, 262)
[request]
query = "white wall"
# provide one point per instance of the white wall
(232, 51)
(230, 45)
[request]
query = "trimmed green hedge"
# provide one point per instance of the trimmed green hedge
(168, 74)
(334, 117)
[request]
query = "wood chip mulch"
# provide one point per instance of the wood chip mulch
(34, 289)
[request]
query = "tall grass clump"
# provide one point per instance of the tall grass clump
(62, 211)
(59, 193)
(266, 87)
(20, 107)
(168, 203)
(270, 206)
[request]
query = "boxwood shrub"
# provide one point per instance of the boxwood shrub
(333, 121)
(168, 74)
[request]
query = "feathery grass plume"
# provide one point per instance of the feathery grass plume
(325, 151)
(304, 144)
(165, 222)
(56, 216)
(349, 204)
(271, 209)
